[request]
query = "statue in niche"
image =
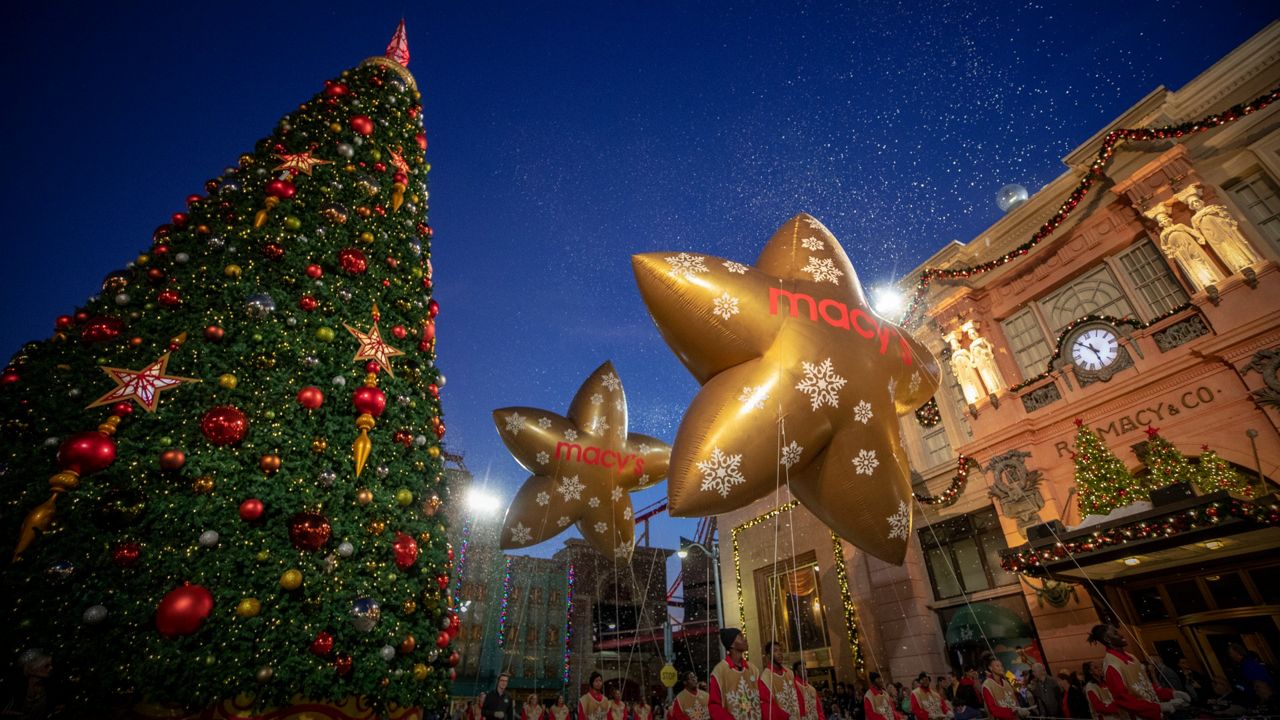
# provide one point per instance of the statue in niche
(1182, 245)
(1016, 487)
(962, 366)
(1221, 232)
(983, 356)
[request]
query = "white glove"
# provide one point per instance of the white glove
(1179, 696)
(1167, 708)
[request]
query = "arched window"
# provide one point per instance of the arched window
(1095, 293)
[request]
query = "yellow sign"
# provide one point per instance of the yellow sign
(668, 675)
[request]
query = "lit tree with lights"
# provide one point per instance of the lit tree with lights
(1165, 465)
(1215, 474)
(1102, 481)
(255, 514)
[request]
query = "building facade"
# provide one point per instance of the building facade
(1155, 304)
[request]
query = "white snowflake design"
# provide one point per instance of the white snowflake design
(823, 270)
(735, 267)
(593, 501)
(814, 224)
(754, 397)
(744, 702)
(726, 306)
(643, 479)
(601, 527)
(521, 534)
(623, 549)
(570, 434)
(813, 243)
(720, 472)
(515, 422)
(615, 494)
(619, 404)
(687, 265)
(900, 522)
(862, 412)
(544, 423)
(543, 498)
(611, 382)
(626, 513)
(821, 384)
(597, 399)
(915, 383)
(791, 453)
(643, 449)
(571, 488)
(543, 458)
(599, 425)
(563, 521)
(865, 463)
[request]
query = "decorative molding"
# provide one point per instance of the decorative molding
(1267, 364)
(1180, 333)
(1041, 397)
(1016, 487)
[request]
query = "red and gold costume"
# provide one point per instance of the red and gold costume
(734, 694)
(1000, 698)
(1130, 686)
(1103, 705)
(617, 710)
(690, 706)
(640, 711)
(811, 706)
(475, 712)
(928, 704)
(779, 697)
(593, 706)
(559, 711)
(877, 705)
(531, 712)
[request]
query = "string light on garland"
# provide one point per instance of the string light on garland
(846, 602)
(506, 595)
(948, 497)
(1031, 561)
(568, 625)
(1101, 160)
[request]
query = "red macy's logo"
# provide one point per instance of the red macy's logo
(837, 314)
(595, 456)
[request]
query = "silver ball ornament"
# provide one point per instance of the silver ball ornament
(328, 477)
(1011, 196)
(346, 549)
(264, 674)
(209, 538)
(94, 614)
(387, 653)
(365, 614)
(182, 257)
(260, 305)
(339, 381)
(122, 298)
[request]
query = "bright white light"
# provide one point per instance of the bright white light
(682, 553)
(887, 301)
(483, 503)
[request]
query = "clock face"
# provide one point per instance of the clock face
(1095, 349)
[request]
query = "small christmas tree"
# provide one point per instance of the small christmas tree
(1216, 474)
(1102, 481)
(256, 513)
(1165, 465)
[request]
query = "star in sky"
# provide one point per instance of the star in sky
(141, 386)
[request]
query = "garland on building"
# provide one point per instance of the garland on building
(1103, 483)
(568, 625)
(1031, 561)
(948, 497)
(928, 414)
(502, 606)
(1100, 162)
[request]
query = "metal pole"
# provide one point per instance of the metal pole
(715, 558)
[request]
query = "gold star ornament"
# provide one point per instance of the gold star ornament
(801, 383)
(584, 468)
(372, 346)
(303, 162)
(141, 386)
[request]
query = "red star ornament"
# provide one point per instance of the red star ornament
(790, 349)
(141, 386)
(372, 347)
(399, 163)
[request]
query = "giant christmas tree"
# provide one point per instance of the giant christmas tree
(223, 473)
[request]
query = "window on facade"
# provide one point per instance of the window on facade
(1151, 276)
(1259, 198)
(1027, 342)
(1148, 604)
(937, 449)
(795, 608)
(1094, 293)
(963, 554)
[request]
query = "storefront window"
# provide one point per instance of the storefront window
(1187, 598)
(795, 609)
(1228, 590)
(1148, 604)
(963, 554)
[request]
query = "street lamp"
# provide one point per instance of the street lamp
(483, 503)
(714, 554)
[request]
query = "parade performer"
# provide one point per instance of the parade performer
(593, 705)
(691, 702)
(1128, 682)
(733, 692)
(926, 703)
(808, 694)
(779, 698)
(998, 693)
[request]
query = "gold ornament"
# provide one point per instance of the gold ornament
(434, 451)
(424, 537)
(364, 496)
(232, 271)
(319, 445)
(419, 671)
(584, 467)
(409, 607)
(790, 345)
(248, 607)
(291, 579)
(404, 497)
(202, 484)
(228, 381)
(377, 527)
(269, 464)
(300, 162)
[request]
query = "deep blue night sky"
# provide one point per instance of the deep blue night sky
(566, 136)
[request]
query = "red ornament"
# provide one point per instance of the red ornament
(64, 322)
(362, 124)
(342, 664)
(454, 658)
(86, 452)
(398, 332)
(273, 251)
(442, 640)
(369, 400)
(251, 509)
(10, 377)
(406, 550)
(193, 199)
(101, 329)
(440, 430)
(172, 459)
(334, 89)
(183, 610)
(323, 644)
(126, 554)
(179, 219)
(309, 531)
(213, 333)
(308, 303)
(429, 331)
(352, 261)
(310, 397)
(433, 309)
(315, 272)
(169, 298)
(282, 189)
(434, 390)
(224, 425)
(422, 141)
(442, 581)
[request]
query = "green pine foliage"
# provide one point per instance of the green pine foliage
(1215, 474)
(1102, 481)
(262, 287)
(1165, 465)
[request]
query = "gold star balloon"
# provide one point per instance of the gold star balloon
(584, 467)
(801, 381)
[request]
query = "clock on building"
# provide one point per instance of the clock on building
(1094, 351)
